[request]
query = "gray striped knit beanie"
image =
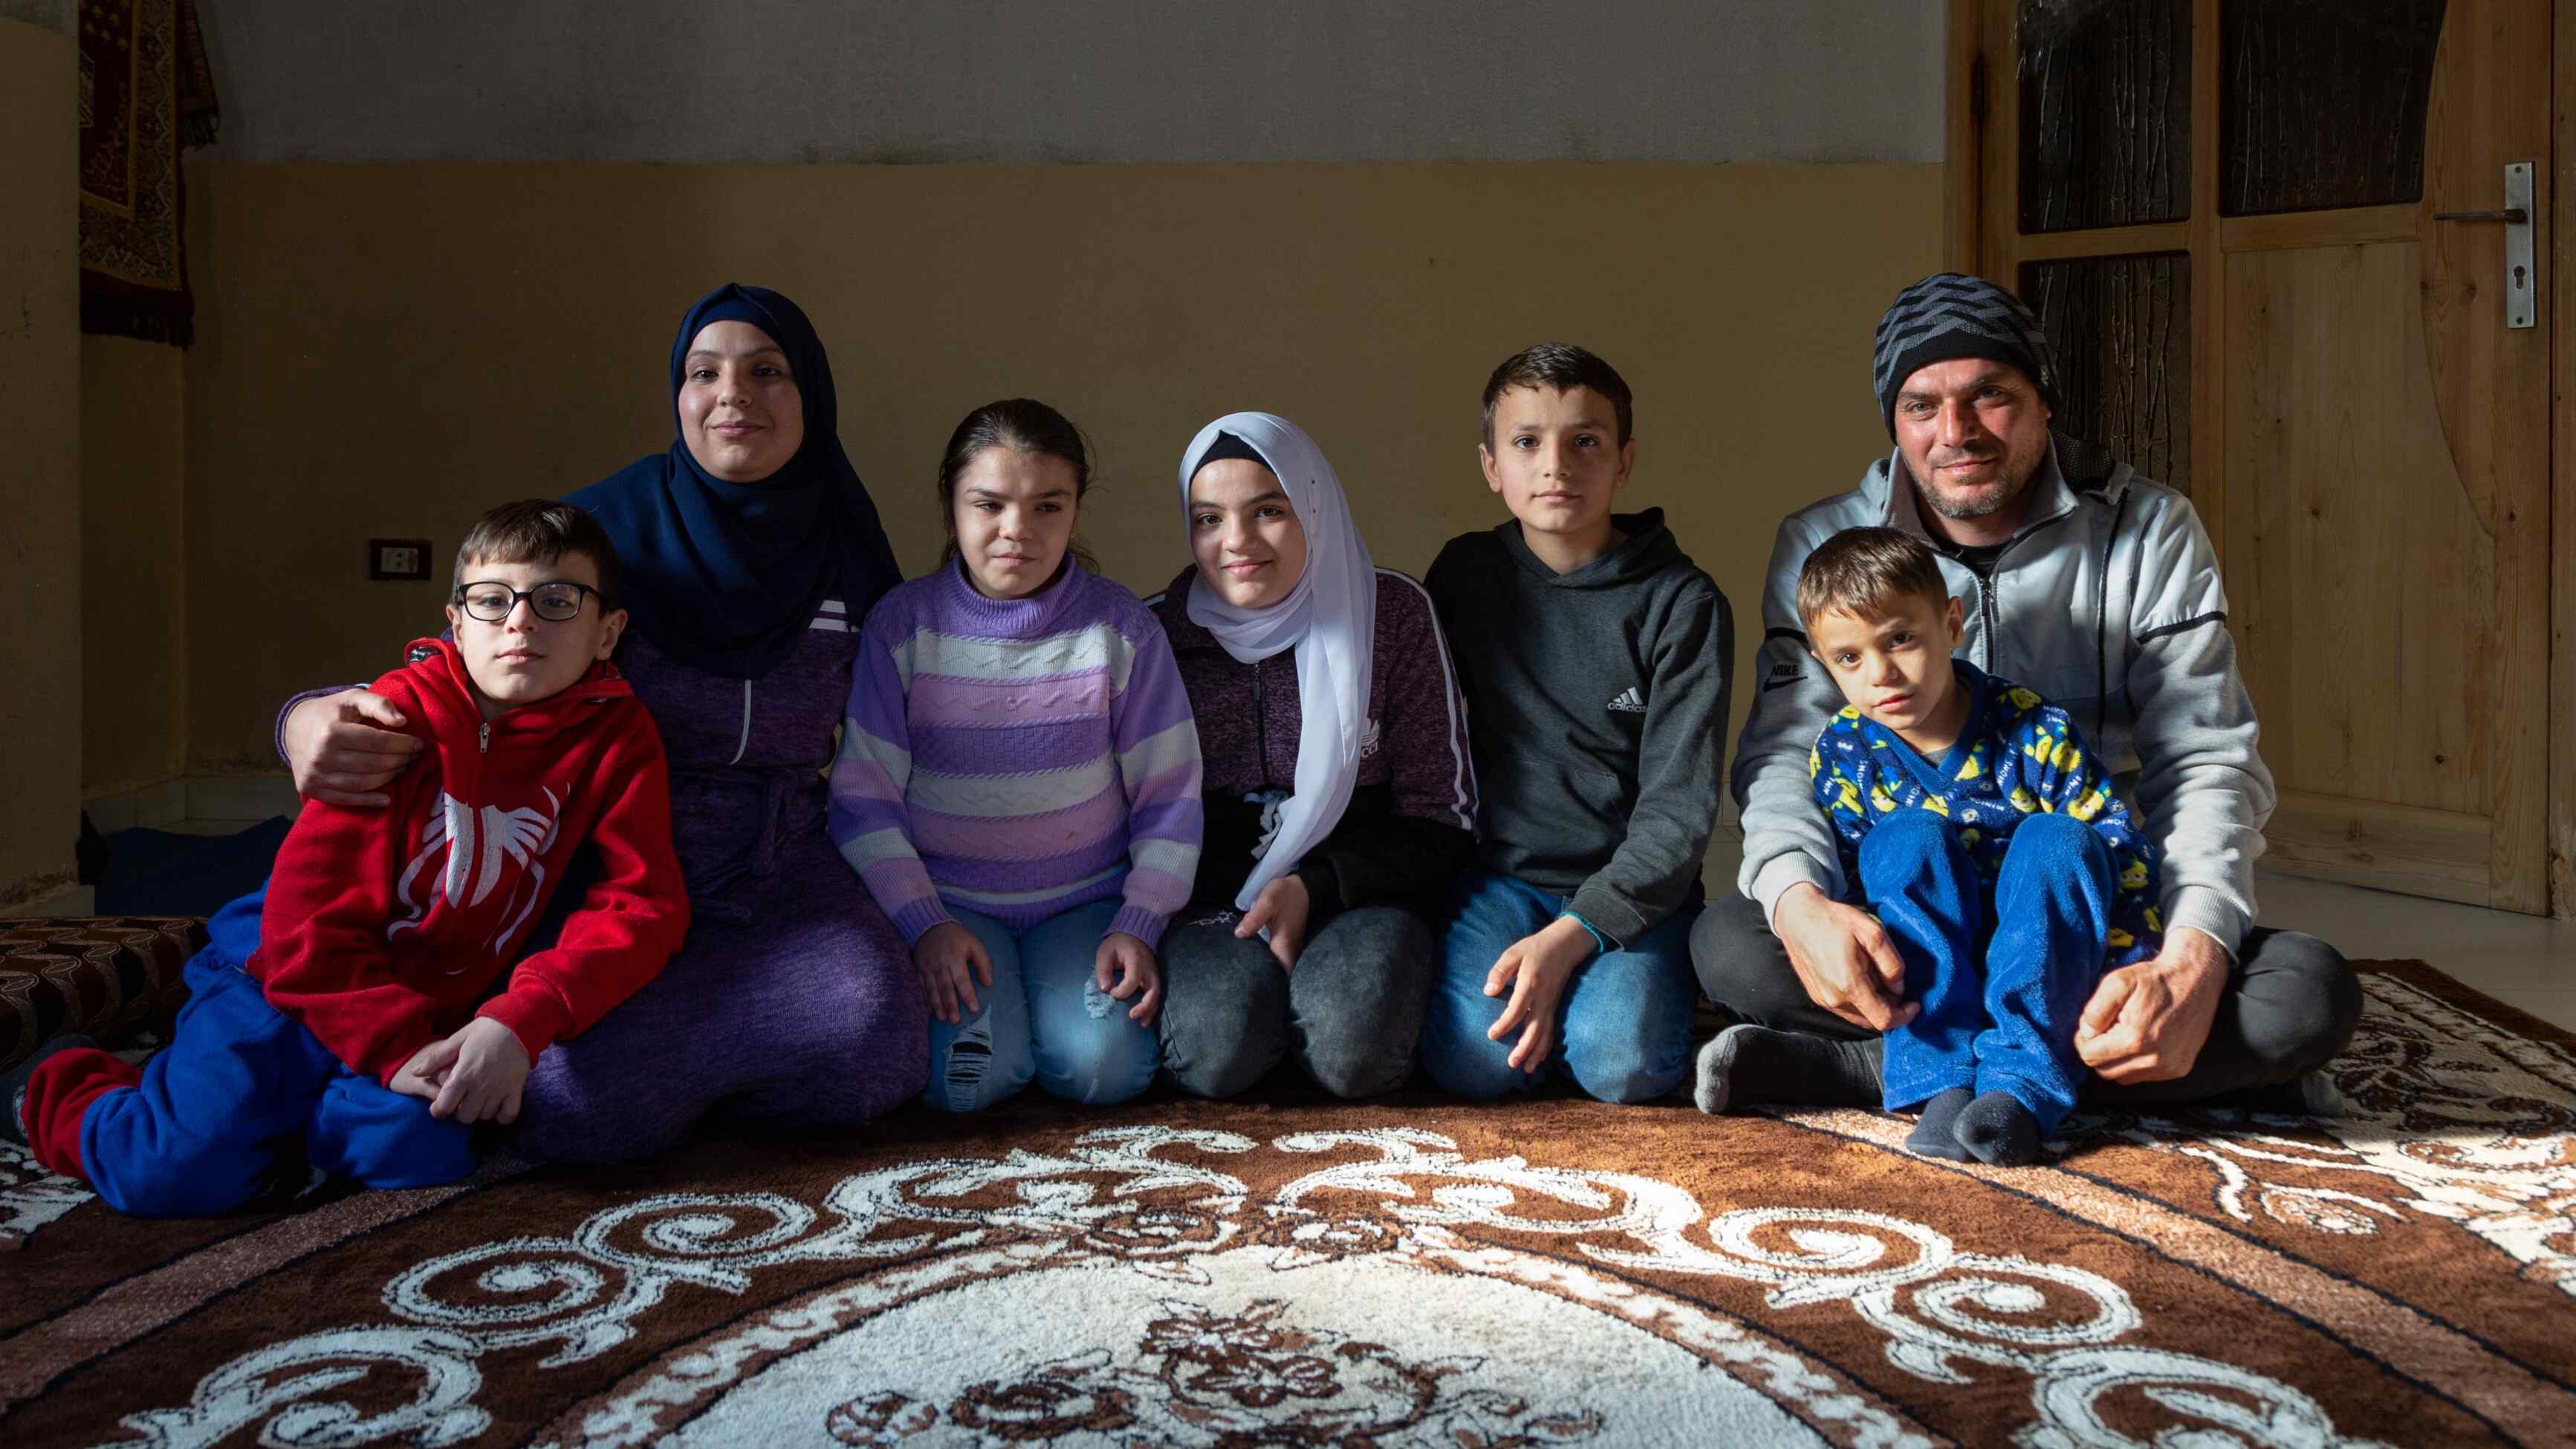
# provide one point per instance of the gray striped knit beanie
(1947, 315)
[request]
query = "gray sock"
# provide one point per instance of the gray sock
(1745, 1066)
(1931, 1136)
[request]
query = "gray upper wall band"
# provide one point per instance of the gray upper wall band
(1055, 81)
(53, 15)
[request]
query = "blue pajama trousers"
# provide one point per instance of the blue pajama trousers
(2001, 990)
(197, 1133)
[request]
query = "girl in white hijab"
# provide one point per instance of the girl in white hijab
(1340, 802)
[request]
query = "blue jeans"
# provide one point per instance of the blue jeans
(2001, 992)
(199, 1134)
(1623, 1026)
(1045, 1017)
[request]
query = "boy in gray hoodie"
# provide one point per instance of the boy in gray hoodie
(1594, 657)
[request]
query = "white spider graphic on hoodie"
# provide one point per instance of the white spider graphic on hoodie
(482, 845)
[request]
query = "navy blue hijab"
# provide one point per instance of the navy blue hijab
(725, 577)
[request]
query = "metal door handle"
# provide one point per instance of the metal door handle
(2521, 270)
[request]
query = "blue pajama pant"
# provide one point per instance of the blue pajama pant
(198, 1135)
(2001, 990)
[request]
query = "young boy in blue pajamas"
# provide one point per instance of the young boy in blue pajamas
(1988, 843)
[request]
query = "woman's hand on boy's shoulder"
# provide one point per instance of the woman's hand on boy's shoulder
(346, 748)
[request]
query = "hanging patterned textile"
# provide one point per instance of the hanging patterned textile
(145, 94)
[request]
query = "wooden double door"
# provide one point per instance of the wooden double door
(2265, 239)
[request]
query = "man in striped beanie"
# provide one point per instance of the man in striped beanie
(2098, 589)
(1949, 329)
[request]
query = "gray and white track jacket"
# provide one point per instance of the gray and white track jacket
(2108, 603)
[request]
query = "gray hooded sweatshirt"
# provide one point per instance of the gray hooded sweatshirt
(1596, 710)
(2108, 603)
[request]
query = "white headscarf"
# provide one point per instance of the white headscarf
(1329, 618)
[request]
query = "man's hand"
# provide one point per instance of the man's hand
(1844, 958)
(345, 748)
(1536, 968)
(480, 1069)
(1130, 963)
(1282, 906)
(2148, 1022)
(951, 961)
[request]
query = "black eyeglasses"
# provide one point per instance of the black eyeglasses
(492, 602)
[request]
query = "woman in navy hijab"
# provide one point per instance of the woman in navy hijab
(750, 549)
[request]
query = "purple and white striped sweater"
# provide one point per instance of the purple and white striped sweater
(1017, 758)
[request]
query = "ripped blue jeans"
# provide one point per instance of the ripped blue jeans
(1045, 1017)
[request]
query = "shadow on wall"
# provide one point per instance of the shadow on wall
(387, 350)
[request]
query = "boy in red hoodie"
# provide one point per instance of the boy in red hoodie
(364, 1020)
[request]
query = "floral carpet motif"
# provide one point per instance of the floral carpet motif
(1416, 1271)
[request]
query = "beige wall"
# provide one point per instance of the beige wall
(134, 568)
(40, 572)
(386, 350)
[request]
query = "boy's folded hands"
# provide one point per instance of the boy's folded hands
(473, 1075)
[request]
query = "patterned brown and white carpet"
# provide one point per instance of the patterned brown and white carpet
(1417, 1272)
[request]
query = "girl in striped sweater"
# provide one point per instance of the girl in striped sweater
(1018, 781)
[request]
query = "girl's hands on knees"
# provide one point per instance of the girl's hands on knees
(1282, 906)
(951, 962)
(490, 1068)
(1130, 963)
(345, 748)
(1536, 968)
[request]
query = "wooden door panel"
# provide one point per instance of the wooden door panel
(2390, 847)
(2370, 442)
(2368, 630)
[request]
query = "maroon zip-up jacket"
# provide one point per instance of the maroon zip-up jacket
(1410, 829)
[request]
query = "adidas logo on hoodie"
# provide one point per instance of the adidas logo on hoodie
(1628, 702)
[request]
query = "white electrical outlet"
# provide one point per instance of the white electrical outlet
(397, 558)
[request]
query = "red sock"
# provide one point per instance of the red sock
(58, 1096)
